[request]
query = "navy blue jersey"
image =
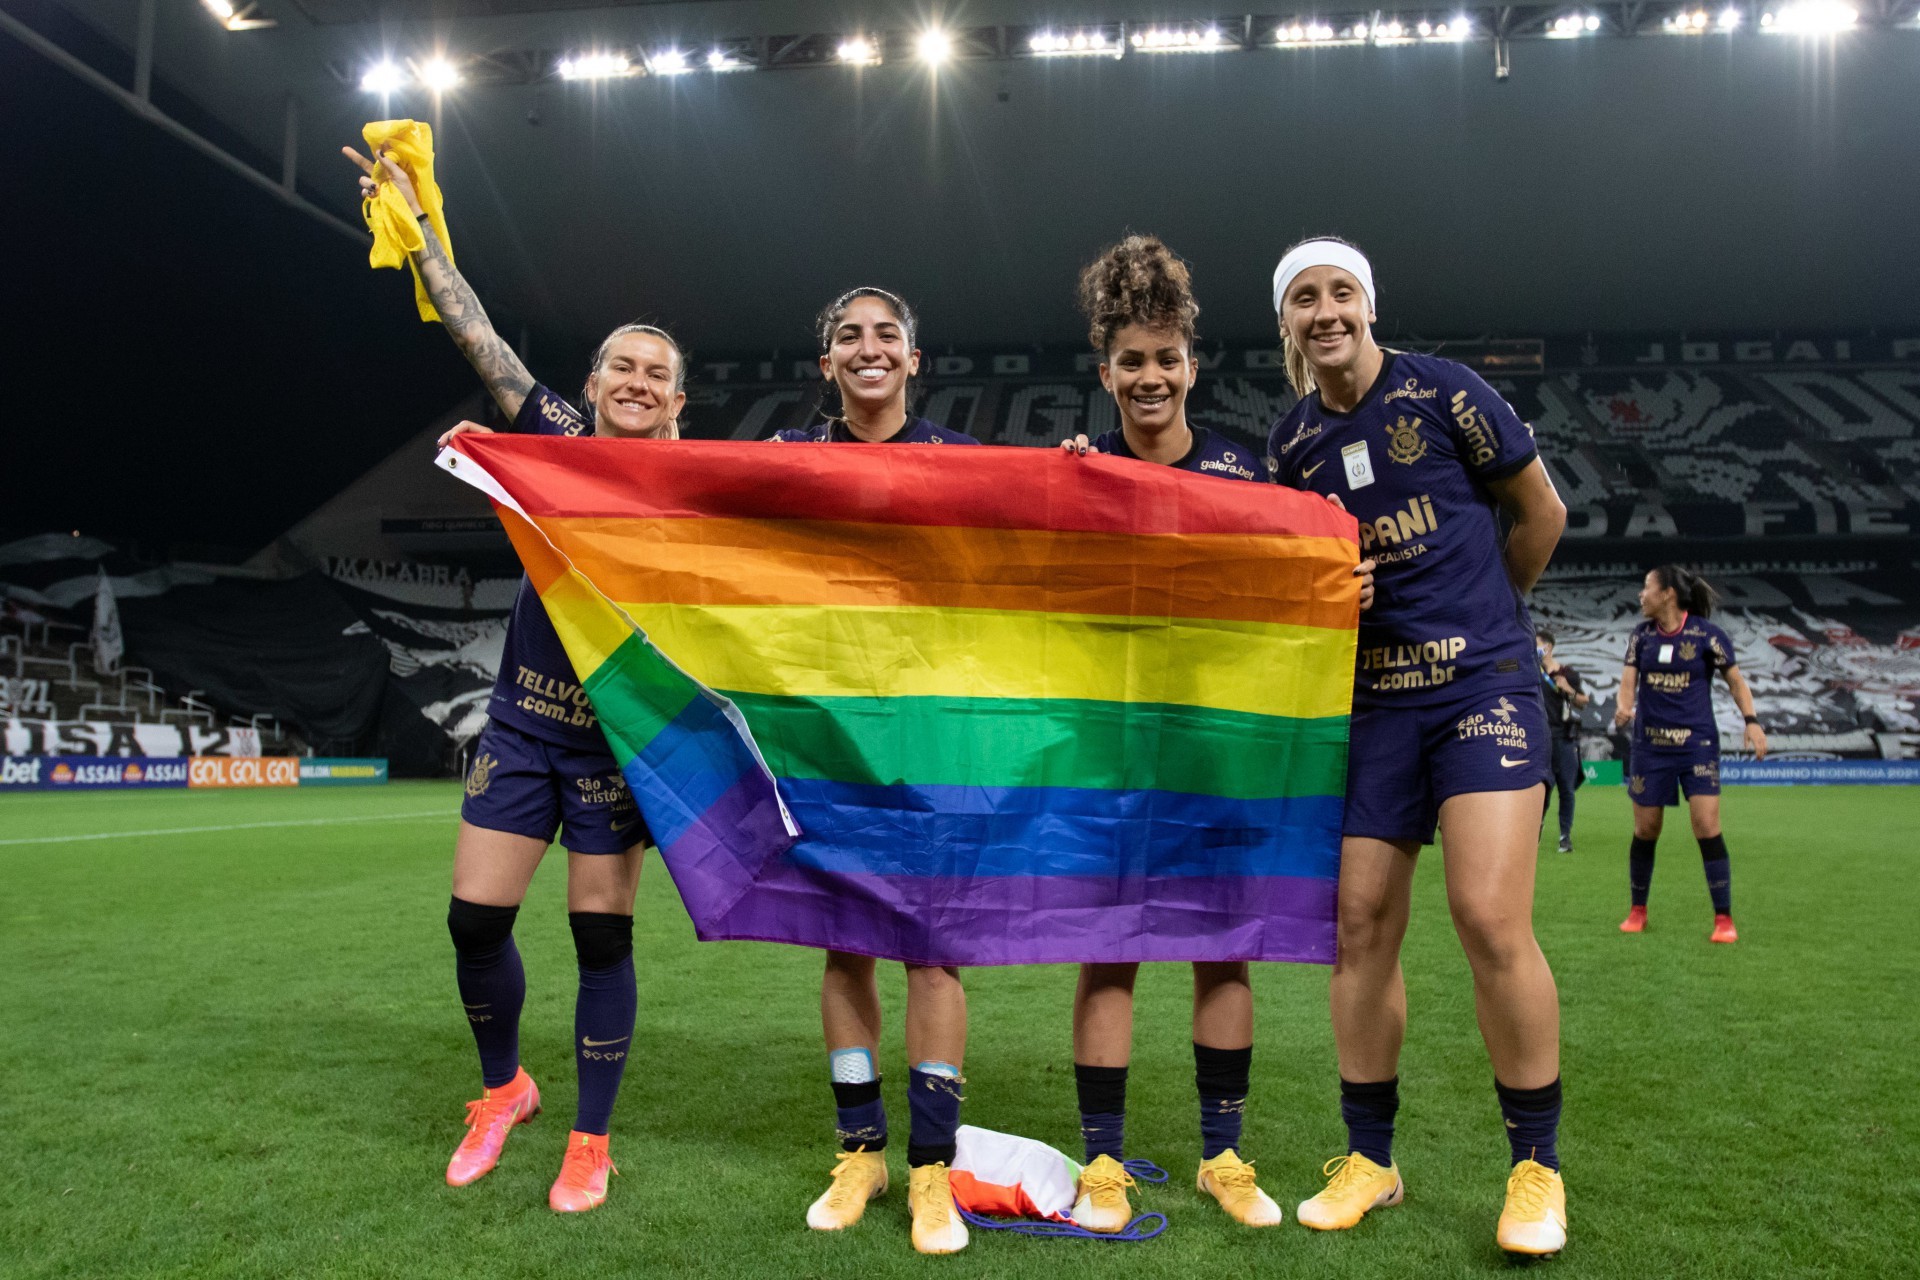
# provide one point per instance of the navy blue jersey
(833, 431)
(1212, 454)
(1673, 696)
(1412, 462)
(536, 691)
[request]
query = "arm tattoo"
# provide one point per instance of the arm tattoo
(506, 379)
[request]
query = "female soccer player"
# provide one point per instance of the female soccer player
(1138, 300)
(1666, 694)
(868, 357)
(541, 764)
(1447, 724)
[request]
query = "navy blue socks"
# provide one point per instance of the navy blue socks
(1713, 852)
(1103, 1110)
(933, 1097)
(602, 1013)
(1533, 1122)
(1369, 1109)
(1640, 869)
(1221, 1076)
(493, 985)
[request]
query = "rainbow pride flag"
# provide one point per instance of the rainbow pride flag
(956, 706)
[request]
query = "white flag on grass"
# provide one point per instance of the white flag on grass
(108, 644)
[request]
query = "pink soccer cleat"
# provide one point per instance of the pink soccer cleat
(490, 1118)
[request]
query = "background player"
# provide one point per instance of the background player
(1447, 720)
(1138, 300)
(1666, 694)
(1564, 693)
(541, 764)
(868, 359)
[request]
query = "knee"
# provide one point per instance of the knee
(1646, 824)
(1493, 934)
(1706, 826)
(932, 979)
(1209, 976)
(848, 966)
(1366, 924)
(480, 932)
(1108, 977)
(601, 940)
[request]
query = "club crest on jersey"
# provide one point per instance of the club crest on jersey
(1689, 651)
(1404, 444)
(1636, 784)
(482, 775)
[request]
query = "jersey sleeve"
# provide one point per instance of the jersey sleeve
(1719, 650)
(1492, 440)
(543, 413)
(1279, 471)
(1632, 657)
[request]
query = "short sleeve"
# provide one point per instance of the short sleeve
(1493, 442)
(1277, 441)
(1719, 650)
(1632, 657)
(543, 413)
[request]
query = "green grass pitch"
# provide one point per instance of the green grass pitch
(236, 1051)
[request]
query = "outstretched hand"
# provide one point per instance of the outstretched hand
(1074, 445)
(372, 174)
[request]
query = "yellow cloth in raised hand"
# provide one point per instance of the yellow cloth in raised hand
(396, 232)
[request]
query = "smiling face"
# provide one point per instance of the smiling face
(1326, 317)
(1149, 372)
(635, 390)
(870, 357)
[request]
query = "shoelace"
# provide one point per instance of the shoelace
(1096, 1184)
(581, 1163)
(938, 1198)
(484, 1113)
(1341, 1173)
(1235, 1177)
(842, 1191)
(1529, 1187)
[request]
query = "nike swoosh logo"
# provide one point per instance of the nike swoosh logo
(1508, 764)
(1306, 473)
(595, 1044)
(618, 827)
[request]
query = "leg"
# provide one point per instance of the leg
(937, 1047)
(491, 872)
(850, 1017)
(1646, 839)
(1703, 806)
(600, 894)
(1566, 772)
(1368, 994)
(1490, 870)
(1222, 1051)
(1102, 1047)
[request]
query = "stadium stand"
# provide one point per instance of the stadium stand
(1793, 487)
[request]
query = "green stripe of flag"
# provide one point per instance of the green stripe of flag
(1026, 742)
(637, 693)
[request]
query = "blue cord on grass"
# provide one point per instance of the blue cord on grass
(1136, 1232)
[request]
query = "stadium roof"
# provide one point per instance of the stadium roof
(1638, 181)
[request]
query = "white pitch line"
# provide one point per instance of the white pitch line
(236, 826)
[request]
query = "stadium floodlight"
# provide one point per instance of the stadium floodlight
(1177, 40)
(241, 19)
(595, 66)
(721, 60)
(1730, 18)
(221, 9)
(668, 62)
(439, 74)
(1569, 25)
(1059, 44)
(859, 51)
(383, 77)
(1811, 18)
(934, 46)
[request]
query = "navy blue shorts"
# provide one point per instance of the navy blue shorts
(1657, 779)
(526, 787)
(1404, 762)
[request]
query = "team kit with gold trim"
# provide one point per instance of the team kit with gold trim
(1445, 703)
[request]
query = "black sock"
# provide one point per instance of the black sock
(1368, 1110)
(493, 985)
(1220, 1076)
(1103, 1110)
(933, 1103)
(1533, 1122)
(603, 1013)
(1713, 852)
(862, 1117)
(1640, 869)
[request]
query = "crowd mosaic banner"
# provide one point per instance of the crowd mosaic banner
(956, 706)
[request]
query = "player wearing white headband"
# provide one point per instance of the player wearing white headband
(1448, 727)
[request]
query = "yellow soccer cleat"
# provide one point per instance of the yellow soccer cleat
(1535, 1219)
(1356, 1187)
(858, 1176)
(582, 1184)
(1102, 1204)
(937, 1227)
(1229, 1179)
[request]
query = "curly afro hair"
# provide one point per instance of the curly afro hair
(1137, 281)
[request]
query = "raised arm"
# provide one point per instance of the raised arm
(1529, 501)
(500, 370)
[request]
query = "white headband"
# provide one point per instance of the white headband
(1322, 253)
